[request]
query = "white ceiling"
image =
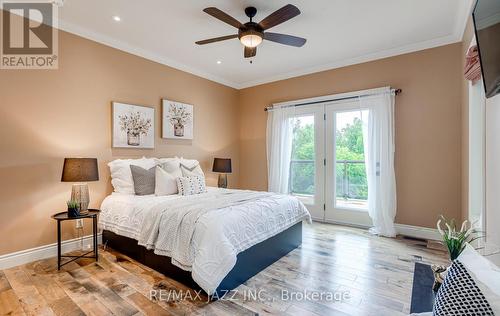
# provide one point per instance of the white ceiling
(338, 32)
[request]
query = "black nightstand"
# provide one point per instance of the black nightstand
(63, 216)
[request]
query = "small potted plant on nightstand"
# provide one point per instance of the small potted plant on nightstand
(73, 208)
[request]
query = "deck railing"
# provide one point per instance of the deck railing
(351, 178)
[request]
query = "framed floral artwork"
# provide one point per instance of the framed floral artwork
(133, 126)
(177, 120)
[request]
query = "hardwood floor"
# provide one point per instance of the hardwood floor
(374, 274)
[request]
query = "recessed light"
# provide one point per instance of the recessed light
(117, 18)
(219, 62)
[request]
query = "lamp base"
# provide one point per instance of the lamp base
(222, 183)
(80, 194)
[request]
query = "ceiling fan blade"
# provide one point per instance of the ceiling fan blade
(285, 39)
(216, 39)
(277, 17)
(250, 51)
(224, 17)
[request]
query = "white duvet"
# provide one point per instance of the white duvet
(202, 233)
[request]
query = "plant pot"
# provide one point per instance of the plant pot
(179, 130)
(73, 212)
(133, 140)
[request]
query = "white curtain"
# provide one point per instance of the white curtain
(378, 138)
(279, 148)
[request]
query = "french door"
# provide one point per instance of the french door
(346, 185)
(307, 167)
(327, 169)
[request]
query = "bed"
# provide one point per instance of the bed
(212, 241)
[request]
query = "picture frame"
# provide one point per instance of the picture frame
(133, 126)
(177, 120)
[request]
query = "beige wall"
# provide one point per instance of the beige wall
(428, 125)
(48, 115)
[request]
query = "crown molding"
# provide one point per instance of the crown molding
(464, 13)
(463, 16)
(450, 39)
(134, 50)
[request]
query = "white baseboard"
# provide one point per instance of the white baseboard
(342, 223)
(418, 232)
(43, 252)
(47, 251)
(401, 229)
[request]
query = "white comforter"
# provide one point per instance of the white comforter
(202, 233)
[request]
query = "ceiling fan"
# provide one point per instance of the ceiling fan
(251, 34)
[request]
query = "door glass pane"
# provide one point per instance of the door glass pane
(351, 185)
(302, 164)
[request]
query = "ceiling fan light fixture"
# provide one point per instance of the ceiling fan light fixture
(251, 40)
(251, 34)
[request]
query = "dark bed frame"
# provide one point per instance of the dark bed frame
(249, 262)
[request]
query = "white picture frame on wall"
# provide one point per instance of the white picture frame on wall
(177, 120)
(133, 126)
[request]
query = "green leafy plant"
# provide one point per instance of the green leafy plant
(72, 204)
(455, 240)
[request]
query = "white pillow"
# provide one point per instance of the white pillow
(163, 160)
(191, 168)
(191, 185)
(485, 273)
(171, 165)
(165, 182)
(121, 176)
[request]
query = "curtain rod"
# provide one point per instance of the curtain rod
(270, 108)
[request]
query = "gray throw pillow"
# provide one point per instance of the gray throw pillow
(144, 180)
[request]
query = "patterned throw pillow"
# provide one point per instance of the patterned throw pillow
(460, 295)
(144, 180)
(191, 185)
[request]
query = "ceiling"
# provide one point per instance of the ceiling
(338, 32)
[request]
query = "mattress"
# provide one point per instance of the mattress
(202, 233)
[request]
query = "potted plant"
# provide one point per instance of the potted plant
(73, 208)
(454, 240)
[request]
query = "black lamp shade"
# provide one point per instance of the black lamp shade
(80, 170)
(222, 165)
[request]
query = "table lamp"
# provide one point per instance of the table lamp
(80, 170)
(223, 167)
